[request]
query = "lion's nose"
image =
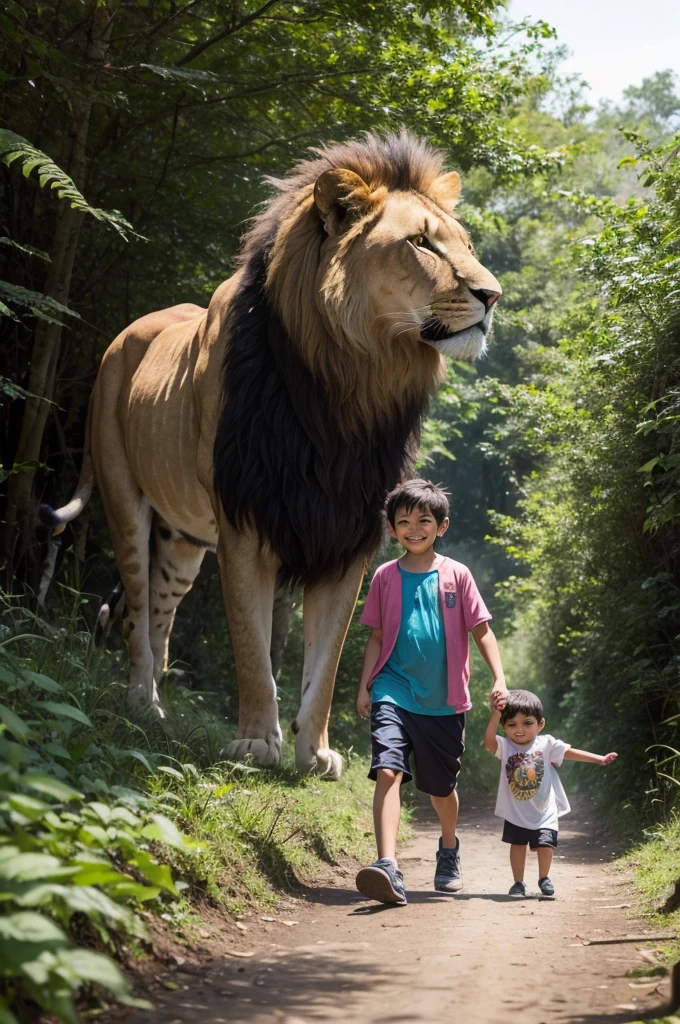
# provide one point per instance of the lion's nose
(486, 296)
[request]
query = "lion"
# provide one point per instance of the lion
(271, 425)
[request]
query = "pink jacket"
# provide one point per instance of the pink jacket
(462, 609)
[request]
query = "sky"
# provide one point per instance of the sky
(613, 43)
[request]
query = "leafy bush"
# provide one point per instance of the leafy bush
(94, 832)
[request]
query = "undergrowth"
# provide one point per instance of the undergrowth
(108, 812)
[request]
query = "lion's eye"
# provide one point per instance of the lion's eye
(422, 242)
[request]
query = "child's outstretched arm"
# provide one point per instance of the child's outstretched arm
(488, 648)
(584, 755)
(490, 737)
(373, 649)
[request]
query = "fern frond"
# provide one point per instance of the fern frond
(28, 249)
(15, 148)
(41, 306)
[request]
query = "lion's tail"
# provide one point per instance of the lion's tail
(57, 518)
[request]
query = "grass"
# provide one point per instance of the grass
(108, 813)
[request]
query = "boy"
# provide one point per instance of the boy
(530, 794)
(414, 682)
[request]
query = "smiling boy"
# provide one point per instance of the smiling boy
(414, 682)
(530, 794)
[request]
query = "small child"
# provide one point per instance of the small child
(414, 682)
(530, 794)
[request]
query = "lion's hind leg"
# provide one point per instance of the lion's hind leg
(175, 564)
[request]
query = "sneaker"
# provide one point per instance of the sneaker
(447, 876)
(382, 881)
(518, 889)
(546, 886)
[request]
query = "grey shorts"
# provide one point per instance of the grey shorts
(436, 742)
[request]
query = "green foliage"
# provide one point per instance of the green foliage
(597, 530)
(15, 149)
(95, 834)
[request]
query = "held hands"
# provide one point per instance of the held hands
(499, 696)
(608, 758)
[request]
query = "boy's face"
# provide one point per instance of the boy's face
(523, 729)
(416, 530)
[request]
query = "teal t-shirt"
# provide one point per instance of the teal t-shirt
(414, 676)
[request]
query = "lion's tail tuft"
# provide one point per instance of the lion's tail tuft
(57, 518)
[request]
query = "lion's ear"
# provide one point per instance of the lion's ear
(340, 195)
(446, 190)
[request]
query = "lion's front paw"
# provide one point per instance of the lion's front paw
(325, 763)
(140, 696)
(266, 752)
(329, 764)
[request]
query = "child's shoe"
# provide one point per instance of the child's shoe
(546, 886)
(382, 881)
(517, 889)
(447, 876)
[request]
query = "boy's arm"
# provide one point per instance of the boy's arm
(584, 755)
(488, 648)
(490, 737)
(373, 649)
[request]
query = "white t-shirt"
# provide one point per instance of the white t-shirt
(530, 793)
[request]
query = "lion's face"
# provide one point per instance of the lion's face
(406, 269)
(426, 277)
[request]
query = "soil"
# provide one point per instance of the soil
(477, 957)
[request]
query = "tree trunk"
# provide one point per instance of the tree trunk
(93, 47)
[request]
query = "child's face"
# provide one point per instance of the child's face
(416, 530)
(523, 729)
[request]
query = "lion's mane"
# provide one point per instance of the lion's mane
(318, 424)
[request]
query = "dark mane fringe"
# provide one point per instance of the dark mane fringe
(281, 464)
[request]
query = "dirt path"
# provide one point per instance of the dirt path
(480, 957)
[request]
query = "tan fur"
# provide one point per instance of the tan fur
(353, 300)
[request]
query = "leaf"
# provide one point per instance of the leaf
(6, 1017)
(27, 926)
(165, 831)
(44, 682)
(158, 874)
(28, 806)
(56, 750)
(28, 249)
(182, 74)
(65, 711)
(138, 756)
(11, 721)
(47, 784)
(95, 968)
(40, 305)
(16, 148)
(29, 867)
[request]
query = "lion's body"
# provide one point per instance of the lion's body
(272, 424)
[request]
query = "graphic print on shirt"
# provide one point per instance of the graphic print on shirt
(525, 773)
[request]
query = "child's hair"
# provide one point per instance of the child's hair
(426, 495)
(522, 702)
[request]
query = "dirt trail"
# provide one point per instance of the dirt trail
(479, 957)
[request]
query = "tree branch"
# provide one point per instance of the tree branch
(228, 30)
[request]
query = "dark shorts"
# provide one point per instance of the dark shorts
(535, 837)
(437, 743)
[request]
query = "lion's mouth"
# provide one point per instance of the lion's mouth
(435, 330)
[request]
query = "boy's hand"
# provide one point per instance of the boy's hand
(608, 758)
(364, 703)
